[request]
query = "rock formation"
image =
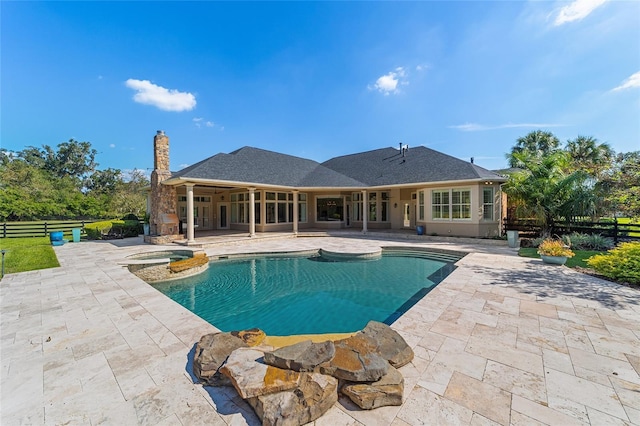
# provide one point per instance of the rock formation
(211, 353)
(297, 384)
(386, 391)
(302, 356)
(316, 393)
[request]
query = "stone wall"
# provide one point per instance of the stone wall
(162, 239)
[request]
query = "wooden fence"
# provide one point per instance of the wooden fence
(40, 229)
(612, 229)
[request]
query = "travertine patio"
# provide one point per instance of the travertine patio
(503, 340)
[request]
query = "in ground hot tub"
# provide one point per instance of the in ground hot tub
(167, 265)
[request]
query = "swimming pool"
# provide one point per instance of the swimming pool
(310, 294)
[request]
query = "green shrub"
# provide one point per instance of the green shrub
(96, 229)
(113, 228)
(621, 263)
(596, 242)
(132, 228)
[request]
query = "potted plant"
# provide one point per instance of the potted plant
(555, 252)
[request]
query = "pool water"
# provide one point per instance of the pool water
(306, 295)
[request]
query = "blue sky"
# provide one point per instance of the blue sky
(317, 80)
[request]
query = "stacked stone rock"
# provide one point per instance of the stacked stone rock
(163, 197)
(297, 384)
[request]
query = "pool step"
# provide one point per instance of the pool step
(448, 256)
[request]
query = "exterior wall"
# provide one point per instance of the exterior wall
(396, 208)
(476, 226)
(398, 198)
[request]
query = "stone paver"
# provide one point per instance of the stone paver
(502, 340)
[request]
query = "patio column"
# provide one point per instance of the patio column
(190, 238)
(295, 212)
(365, 212)
(252, 212)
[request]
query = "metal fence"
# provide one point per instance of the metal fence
(610, 228)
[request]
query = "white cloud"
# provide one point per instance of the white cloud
(112, 145)
(422, 67)
(630, 83)
(160, 97)
(474, 127)
(388, 83)
(577, 10)
(199, 122)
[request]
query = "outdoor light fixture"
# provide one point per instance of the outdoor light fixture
(3, 252)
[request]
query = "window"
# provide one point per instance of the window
(384, 206)
(451, 204)
(356, 198)
(487, 203)
(240, 207)
(377, 206)
(461, 204)
(302, 207)
(279, 207)
(329, 209)
(271, 206)
(421, 206)
(282, 207)
(373, 207)
(439, 204)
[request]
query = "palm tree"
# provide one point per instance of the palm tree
(544, 190)
(537, 144)
(589, 155)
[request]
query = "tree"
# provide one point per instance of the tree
(545, 191)
(621, 188)
(130, 195)
(43, 183)
(589, 155)
(72, 159)
(104, 181)
(536, 144)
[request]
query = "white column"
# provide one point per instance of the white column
(365, 211)
(295, 212)
(190, 238)
(252, 212)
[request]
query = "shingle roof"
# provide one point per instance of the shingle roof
(388, 166)
(379, 167)
(260, 166)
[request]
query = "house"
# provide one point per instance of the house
(255, 190)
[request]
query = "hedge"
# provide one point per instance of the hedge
(109, 229)
(621, 263)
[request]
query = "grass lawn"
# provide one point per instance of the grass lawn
(578, 260)
(28, 254)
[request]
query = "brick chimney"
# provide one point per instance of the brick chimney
(163, 216)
